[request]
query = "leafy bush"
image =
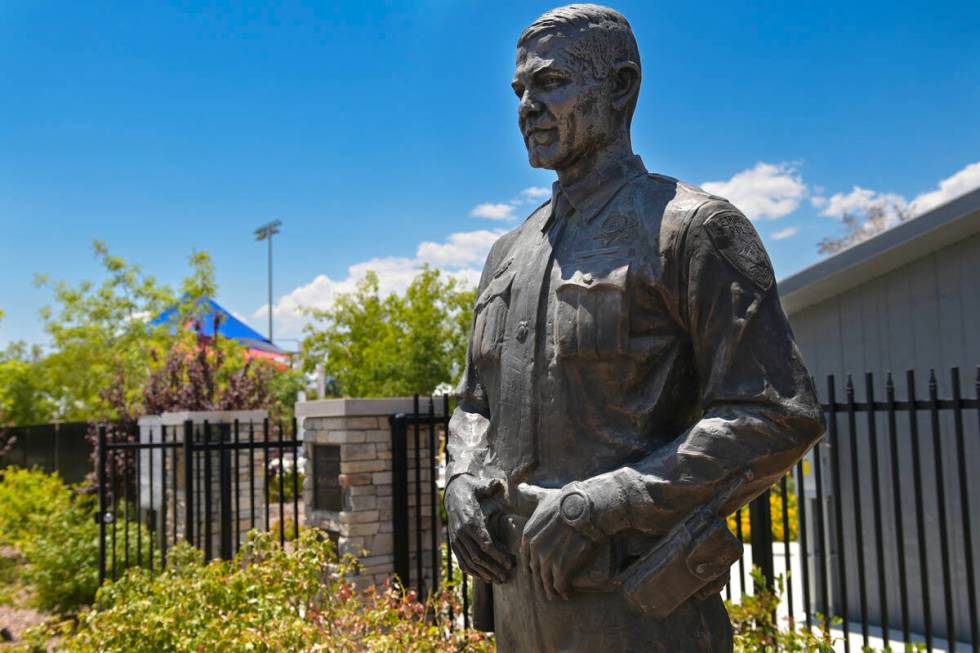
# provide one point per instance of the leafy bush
(757, 630)
(63, 556)
(267, 599)
(54, 529)
(25, 496)
(289, 478)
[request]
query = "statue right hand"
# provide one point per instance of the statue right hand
(476, 551)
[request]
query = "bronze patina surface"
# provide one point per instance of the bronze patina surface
(631, 377)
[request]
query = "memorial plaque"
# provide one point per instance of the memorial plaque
(326, 481)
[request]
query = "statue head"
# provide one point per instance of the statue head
(577, 78)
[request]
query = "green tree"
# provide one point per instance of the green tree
(101, 340)
(396, 345)
(23, 397)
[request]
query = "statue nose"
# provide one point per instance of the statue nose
(528, 105)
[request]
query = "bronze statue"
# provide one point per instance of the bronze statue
(631, 378)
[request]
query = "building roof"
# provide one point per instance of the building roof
(927, 233)
(229, 326)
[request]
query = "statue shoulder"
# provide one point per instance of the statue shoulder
(502, 248)
(670, 205)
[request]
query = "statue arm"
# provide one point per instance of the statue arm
(467, 445)
(760, 411)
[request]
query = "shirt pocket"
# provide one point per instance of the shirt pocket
(490, 317)
(592, 314)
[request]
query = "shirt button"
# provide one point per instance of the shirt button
(522, 331)
(587, 278)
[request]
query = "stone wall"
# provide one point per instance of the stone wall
(364, 524)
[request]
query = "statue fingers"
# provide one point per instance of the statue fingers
(546, 573)
(494, 488)
(493, 550)
(469, 561)
(463, 557)
(493, 570)
(560, 579)
(529, 553)
(543, 553)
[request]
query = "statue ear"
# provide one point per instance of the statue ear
(626, 83)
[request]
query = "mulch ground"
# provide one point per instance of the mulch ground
(15, 614)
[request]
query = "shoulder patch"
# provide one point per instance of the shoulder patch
(736, 239)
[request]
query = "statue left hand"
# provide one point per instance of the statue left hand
(552, 549)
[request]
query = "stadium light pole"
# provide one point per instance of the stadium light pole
(265, 232)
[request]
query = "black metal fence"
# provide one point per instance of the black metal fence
(874, 526)
(204, 483)
(420, 559)
(885, 511)
(57, 447)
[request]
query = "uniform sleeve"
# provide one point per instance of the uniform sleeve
(760, 413)
(467, 446)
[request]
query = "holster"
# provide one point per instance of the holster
(482, 605)
(689, 561)
(692, 559)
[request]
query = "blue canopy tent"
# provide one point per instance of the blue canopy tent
(229, 327)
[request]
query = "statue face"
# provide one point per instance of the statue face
(564, 112)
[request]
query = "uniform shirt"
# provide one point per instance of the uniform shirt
(629, 336)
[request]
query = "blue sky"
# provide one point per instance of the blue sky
(376, 131)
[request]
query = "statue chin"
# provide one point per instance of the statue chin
(544, 161)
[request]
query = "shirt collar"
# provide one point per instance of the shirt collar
(591, 194)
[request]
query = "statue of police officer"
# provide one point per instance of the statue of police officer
(631, 378)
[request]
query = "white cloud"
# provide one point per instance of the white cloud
(493, 211)
(950, 188)
(460, 249)
(766, 191)
(461, 255)
(859, 200)
(535, 194)
(782, 234)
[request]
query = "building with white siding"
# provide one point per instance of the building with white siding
(907, 299)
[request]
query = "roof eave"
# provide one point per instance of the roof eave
(931, 231)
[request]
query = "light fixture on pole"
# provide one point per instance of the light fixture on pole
(265, 232)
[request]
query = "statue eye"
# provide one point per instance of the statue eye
(518, 90)
(552, 81)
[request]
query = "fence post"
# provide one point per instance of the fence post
(102, 501)
(399, 459)
(189, 481)
(224, 475)
(760, 522)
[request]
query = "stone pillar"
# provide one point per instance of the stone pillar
(360, 518)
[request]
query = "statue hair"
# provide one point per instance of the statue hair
(605, 37)
(608, 36)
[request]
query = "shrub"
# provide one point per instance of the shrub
(757, 630)
(25, 496)
(269, 598)
(54, 530)
(289, 478)
(63, 556)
